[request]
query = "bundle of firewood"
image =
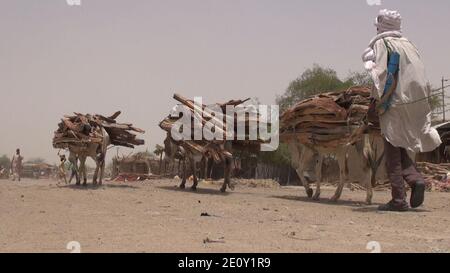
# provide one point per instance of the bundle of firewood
(436, 176)
(329, 119)
(215, 148)
(82, 129)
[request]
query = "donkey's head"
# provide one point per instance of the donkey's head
(171, 149)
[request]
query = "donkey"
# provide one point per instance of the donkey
(175, 150)
(96, 151)
(359, 160)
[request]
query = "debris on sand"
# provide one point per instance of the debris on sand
(251, 183)
(133, 177)
(258, 183)
(437, 176)
(207, 240)
(329, 119)
(205, 214)
(81, 129)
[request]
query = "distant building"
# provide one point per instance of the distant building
(139, 163)
(442, 153)
(38, 170)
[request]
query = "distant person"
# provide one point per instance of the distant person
(73, 159)
(2, 172)
(400, 99)
(62, 168)
(16, 166)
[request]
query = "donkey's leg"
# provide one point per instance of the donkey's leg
(342, 160)
(204, 167)
(369, 189)
(305, 183)
(183, 179)
(94, 179)
(227, 175)
(83, 170)
(194, 173)
(74, 169)
(102, 173)
(306, 155)
(318, 177)
(102, 170)
(210, 168)
(370, 180)
(97, 168)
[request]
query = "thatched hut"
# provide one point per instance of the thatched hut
(38, 170)
(137, 164)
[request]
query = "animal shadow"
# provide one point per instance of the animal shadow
(91, 186)
(326, 202)
(208, 191)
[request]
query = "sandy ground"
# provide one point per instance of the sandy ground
(156, 216)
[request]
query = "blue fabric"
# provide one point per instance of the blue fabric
(392, 69)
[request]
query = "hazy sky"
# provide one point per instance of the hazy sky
(132, 55)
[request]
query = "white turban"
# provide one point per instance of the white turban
(388, 20)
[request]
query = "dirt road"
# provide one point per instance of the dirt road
(155, 216)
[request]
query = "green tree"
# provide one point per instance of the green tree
(36, 160)
(5, 161)
(313, 81)
(360, 79)
(435, 101)
(159, 151)
(279, 157)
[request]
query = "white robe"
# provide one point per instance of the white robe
(407, 123)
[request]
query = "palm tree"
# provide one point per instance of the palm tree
(159, 150)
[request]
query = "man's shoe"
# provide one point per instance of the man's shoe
(393, 207)
(417, 194)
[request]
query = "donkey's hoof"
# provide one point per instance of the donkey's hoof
(310, 193)
(182, 186)
(334, 199)
(223, 189)
(194, 188)
(316, 196)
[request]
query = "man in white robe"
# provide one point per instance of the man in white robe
(16, 166)
(406, 124)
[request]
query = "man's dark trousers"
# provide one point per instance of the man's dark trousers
(400, 168)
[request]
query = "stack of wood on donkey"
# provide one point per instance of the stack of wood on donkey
(89, 136)
(336, 124)
(193, 149)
